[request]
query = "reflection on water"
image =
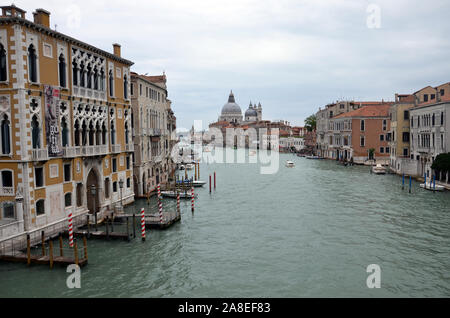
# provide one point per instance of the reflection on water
(306, 231)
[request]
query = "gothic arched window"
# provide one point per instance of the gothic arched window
(35, 133)
(6, 144)
(125, 87)
(82, 75)
(75, 73)
(111, 84)
(3, 70)
(62, 71)
(113, 134)
(64, 133)
(32, 63)
(89, 76)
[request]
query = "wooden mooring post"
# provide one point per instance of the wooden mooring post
(61, 253)
(50, 252)
(28, 250)
(85, 247)
(134, 225)
(43, 242)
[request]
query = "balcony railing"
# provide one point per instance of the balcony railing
(129, 147)
(39, 154)
(156, 132)
(96, 150)
(157, 158)
(7, 191)
(116, 148)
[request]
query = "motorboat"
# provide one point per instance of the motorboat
(196, 184)
(182, 167)
(290, 164)
(379, 169)
(173, 194)
(432, 187)
(189, 166)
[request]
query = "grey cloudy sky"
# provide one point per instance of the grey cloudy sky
(292, 56)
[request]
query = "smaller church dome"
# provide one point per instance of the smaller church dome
(251, 113)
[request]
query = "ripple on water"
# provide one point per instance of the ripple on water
(303, 232)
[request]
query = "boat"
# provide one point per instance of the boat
(290, 164)
(301, 156)
(379, 169)
(189, 166)
(182, 167)
(173, 194)
(252, 153)
(313, 157)
(196, 184)
(432, 187)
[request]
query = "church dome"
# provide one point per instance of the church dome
(251, 113)
(231, 107)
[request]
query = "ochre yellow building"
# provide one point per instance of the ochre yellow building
(65, 115)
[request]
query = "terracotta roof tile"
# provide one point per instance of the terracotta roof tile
(368, 111)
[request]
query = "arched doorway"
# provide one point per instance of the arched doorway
(92, 199)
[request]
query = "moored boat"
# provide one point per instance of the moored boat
(173, 194)
(379, 169)
(432, 187)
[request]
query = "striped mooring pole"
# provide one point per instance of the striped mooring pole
(160, 204)
(70, 230)
(143, 223)
(192, 198)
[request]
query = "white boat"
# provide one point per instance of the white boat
(290, 164)
(379, 169)
(182, 167)
(430, 186)
(198, 183)
(252, 153)
(173, 194)
(189, 166)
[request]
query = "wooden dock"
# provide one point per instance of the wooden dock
(43, 260)
(152, 221)
(103, 235)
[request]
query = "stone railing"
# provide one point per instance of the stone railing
(129, 147)
(96, 150)
(116, 148)
(39, 154)
(7, 191)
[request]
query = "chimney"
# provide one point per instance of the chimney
(42, 17)
(116, 49)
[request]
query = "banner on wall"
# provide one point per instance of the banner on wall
(52, 130)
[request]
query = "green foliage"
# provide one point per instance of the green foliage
(442, 162)
(311, 123)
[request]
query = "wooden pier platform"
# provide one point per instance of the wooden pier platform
(103, 235)
(43, 260)
(152, 221)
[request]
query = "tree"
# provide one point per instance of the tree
(311, 123)
(442, 163)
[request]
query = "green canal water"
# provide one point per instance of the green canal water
(308, 231)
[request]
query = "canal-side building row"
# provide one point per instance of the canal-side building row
(67, 129)
(154, 125)
(65, 112)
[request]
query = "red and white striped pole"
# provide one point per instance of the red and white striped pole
(160, 204)
(192, 198)
(143, 224)
(70, 230)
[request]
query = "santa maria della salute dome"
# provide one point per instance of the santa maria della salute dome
(232, 113)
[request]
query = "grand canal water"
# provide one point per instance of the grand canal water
(306, 231)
